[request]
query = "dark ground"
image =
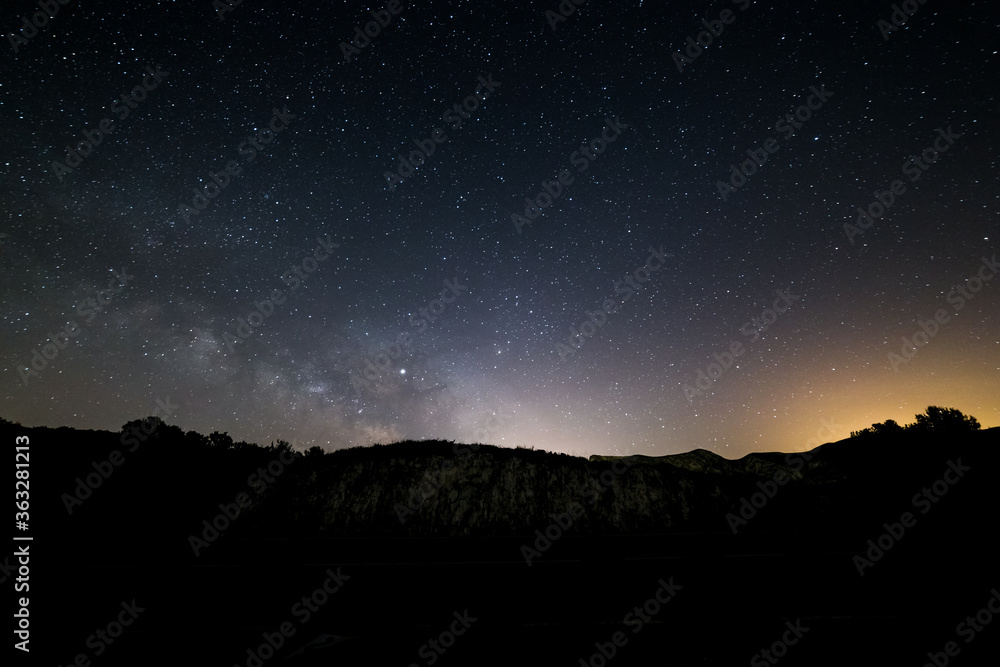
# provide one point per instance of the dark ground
(737, 591)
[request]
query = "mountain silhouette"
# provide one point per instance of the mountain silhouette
(219, 539)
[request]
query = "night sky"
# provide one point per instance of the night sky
(246, 235)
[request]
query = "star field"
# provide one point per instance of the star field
(340, 264)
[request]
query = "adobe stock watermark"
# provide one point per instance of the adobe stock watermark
(913, 168)
(562, 522)
(435, 648)
(552, 190)
(263, 309)
(968, 630)
(432, 481)
(749, 507)
(106, 126)
(788, 126)
(382, 362)
(957, 297)
(635, 620)
(566, 9)
(88, 310)
(697, 44)
(203, 194)
(553, 532)
(362, 38)
(707, 376)
(779, 649)
(229, 512)
(454, 115)
(598, 318)
(490, 422)
(302, 611)
(605, 480)
(924, 501)
(899, 17)
(7, 570)
(102, 471)
(23, 614)
(221, 7)
(103, 638)
(40, 19)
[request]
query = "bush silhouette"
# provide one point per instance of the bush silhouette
(944, 421)
(935, 421)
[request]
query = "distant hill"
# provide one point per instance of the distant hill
(445, 489)
(545, 550)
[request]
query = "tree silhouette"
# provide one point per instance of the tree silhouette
(935, 421)
(196, 439)
(145, 426)
(221, 440)
(887, 428)
(944, 421)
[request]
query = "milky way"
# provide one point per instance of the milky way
(629, 227)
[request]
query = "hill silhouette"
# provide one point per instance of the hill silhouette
(220, 538)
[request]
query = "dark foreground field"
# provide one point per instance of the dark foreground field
(729, 597)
